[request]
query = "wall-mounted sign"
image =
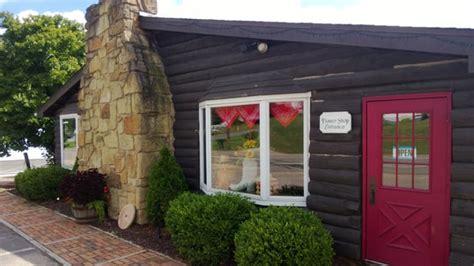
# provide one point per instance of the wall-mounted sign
(335, 122)
(404, 152)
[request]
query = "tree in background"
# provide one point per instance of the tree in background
(37, 56)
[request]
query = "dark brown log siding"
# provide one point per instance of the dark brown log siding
(203, 67)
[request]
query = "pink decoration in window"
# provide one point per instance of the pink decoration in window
(286, 112)
(227, 115)
(250, 114)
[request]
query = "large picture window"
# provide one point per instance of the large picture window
(68, 132)
(256, 146)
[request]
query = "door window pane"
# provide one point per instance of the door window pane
(405, 150)
(405, 121)
(286, 149)
(389, 150)
(404, 175)
(69, 142)
(421, 176)
(236, 148)
(389, 175)
(422, 151)
(422, 125)
(389, 124)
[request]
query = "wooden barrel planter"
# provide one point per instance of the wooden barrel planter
(82, 214)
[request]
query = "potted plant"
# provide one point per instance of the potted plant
(87, 191)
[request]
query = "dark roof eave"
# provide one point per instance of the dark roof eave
(47, 109)
(433, 40)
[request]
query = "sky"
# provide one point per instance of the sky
(422, 13)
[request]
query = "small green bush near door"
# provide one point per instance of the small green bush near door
(283, 236)
(203, 227)
(166, 182)
(40, 183)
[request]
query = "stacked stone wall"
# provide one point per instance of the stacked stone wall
(125, 103)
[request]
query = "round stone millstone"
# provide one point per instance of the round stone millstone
(127, 216)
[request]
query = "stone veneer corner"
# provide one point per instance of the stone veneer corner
(125, 103)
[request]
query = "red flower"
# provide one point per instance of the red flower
(106, 189)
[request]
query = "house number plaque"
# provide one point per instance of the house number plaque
(335, 122)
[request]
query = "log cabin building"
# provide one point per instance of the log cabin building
(370, 127)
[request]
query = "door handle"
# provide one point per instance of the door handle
(372, 191)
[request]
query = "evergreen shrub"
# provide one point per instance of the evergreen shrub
(283, 236)
(203, 227)
(40, 183)
(165, 183)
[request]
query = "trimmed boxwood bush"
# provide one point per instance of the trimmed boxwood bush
(283, 236)
(40, 183)
(203, 227)
(166, 182)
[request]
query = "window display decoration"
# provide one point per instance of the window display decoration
(228, 115)
(250, 114)
(286, 112)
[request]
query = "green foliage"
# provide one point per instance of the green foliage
(99, 207)
(83, 187)
(40, 183)
(283, 236)
(203, 227)
(166, 182)
(37, 56)
(287, 139)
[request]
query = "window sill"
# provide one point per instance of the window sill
(272, 201)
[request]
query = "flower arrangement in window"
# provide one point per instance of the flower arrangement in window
(248, 146)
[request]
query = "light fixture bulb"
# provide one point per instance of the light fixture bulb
(262, 47)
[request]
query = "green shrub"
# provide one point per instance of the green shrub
(40, 183)
(203, 227)
(166, 182)
(283, 236)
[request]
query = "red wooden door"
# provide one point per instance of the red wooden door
(406, 179)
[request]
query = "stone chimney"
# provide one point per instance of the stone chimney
(125, 103)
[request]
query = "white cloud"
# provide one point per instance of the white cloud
(2, 31)
(422, 13)
(26, 13)
(76, 15)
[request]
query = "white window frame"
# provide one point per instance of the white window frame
(61, 135)
(264, 102)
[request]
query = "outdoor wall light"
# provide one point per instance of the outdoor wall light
(262, 47)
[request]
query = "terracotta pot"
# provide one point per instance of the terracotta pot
(82, 214)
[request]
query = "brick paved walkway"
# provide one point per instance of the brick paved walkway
(71, 242)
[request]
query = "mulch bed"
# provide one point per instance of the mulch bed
(147, 236)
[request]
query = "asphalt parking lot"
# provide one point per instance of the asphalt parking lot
(15, 250)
